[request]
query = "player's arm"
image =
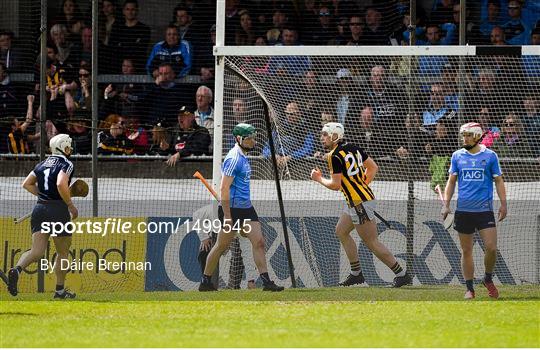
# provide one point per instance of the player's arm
(333, 183)
(30, 184)
(371, 169)
(225, 195)
(62, 183)
(501, 192)
(448, 193)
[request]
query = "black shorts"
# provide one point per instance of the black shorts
(54, 211)
(239, 215)
(468, 222)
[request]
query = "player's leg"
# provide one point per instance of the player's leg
(488, 233)
(253, 231)
(344, 227)
(249, 262)
(39, 245)
(367, 229)
(222, 243)
(62, 244)
(465, 226)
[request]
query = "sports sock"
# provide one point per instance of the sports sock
(469, 284)
(489, 277)
(265, 278)
(398, 270)
(59, 288)
(206, 279)
(19, 269)
(355, 268)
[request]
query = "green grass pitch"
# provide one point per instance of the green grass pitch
(331, 317)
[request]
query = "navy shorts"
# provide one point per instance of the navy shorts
(468, 222)
(54, 211)
(239, 215)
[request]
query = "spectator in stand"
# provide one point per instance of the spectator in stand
(517, 30)
(531, 123)
(296, 141)
(188, 138)
(205, 61)
(491, 131)
(107, 21)
(486, 93)
(84, 47)
(137, 135)
(71, 18)
(342, 27)
(245, 33)
(122, 99)
(172, 50)
(83, 94)
(9, 103)
(81, 134)
(497, 36)
(309, 98)
(204, 114)
(449, 77)
(437, 108)
(356, 25)
(512, 142)
(160, 142)
(531, 64)
(280, 20)
(490, 17)
(164, 98)
(112, 139)
(443, 13)
(439, 149)
(289, 65)
(9, 56)
(310, 14)
(363, 132)
(182, 20)
(374, 31)
(129, 37)
(325, 29)
(67, 52)
(232, 20)
(17, 140)
(347, 99)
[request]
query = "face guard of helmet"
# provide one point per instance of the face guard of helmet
(471, 129)
(245, 134)
(336, 131)
(61, 144)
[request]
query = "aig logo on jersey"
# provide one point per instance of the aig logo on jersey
(473, 174)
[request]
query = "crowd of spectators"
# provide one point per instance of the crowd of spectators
(173, 118)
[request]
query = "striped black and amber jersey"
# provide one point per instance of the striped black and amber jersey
(347, 159)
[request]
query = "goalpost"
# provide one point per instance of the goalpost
(302, 87)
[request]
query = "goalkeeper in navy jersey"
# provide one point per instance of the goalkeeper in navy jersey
(352, 170)
(475, 168)
(49, 181)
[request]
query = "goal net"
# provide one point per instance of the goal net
(404, 106)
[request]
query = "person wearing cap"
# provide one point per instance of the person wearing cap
(475, 167)
(236, 212)
(189, 138)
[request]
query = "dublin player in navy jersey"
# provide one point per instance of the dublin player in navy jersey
(49, 181)
(475, 168)
(352, 170)
(236, 212)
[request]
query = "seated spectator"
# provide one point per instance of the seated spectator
(137, 135)
(374, 31)
(18, 138)
(245, 33)
(341, 30)
(347, 99)
(432, 65)
(9, 103)
(204, 114)
(173, 51)
(497, 37)
(531, 123)
(486, 93)
(71, 18)
(164, 98)
(183, 21)
(517, 30)
(112, 140)
(67, 54)
(439, 149)
(81, 134)
(188, 138)
(490, 17)
(356, 26)
(512, 142)
(324, 30)
(129, 37)
(160, 142)
(108, 8)
(437, 108)
(363, 132)
(295, 142)
(443, 12)
(531, 63)
(83, 94)
(205, 62)
(9, 56)
(289, 65)
(449, 77)
(123, 98)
